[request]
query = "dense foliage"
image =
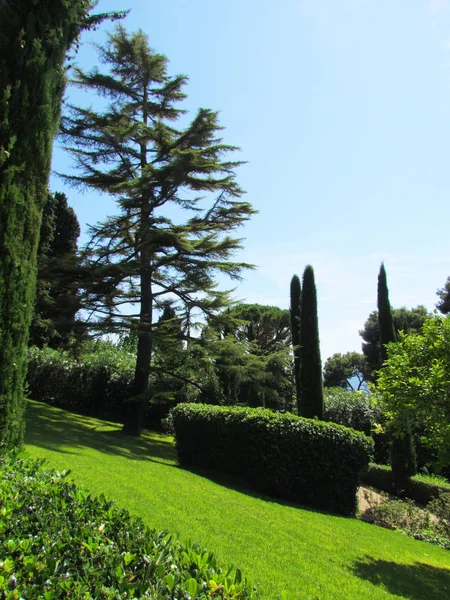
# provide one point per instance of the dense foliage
(306, 461)
(57, 295)
(310, 382)
(57, 541)
(34, 40)
(415, 387)
(97, 383)
(348, 371)
(431, 525)
(408, 320)
(177, 197)
(420, 488)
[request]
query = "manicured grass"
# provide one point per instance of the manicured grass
(307, 554)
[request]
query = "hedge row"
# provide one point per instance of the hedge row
(56, 541)
(310, 462)
(422, 492)
(97, 384)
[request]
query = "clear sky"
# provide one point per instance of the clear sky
(342, 110)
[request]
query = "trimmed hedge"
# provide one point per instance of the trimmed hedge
(289, 457)
(56, 541)
(422, 492)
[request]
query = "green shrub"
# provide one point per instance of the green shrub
(419, 524)
(95, 384)
(307, 461)
(360, 411)
(56, 541)
(420, 488)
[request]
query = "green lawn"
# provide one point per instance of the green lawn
(307, 554)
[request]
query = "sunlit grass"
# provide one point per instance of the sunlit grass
(307, 554)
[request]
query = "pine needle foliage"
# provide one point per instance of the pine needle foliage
(295, 308)
(311, 385)
(176, 194)
(34, 40)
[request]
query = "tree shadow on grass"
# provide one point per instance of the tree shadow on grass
(55, 429)
(418, 581)
(242, 486)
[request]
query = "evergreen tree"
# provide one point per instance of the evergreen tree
(34, 40)
(443, 294)
(403, 458)
(295, 297)
(169, 240)
(57, 298)
(311, 385)
(387, 330)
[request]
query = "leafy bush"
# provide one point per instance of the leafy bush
(95, 384)
(307, 461)
(431, 525)
(360, 411)
(352, 409)
(57, 541)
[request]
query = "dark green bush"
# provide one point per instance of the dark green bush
(417, 488)
(95, 384)
(56, 541)
(302, 460)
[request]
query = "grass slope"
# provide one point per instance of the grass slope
(307, 554)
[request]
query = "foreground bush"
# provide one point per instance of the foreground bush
(57, 542)
(307, 461)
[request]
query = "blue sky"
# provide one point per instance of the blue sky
(342, 110)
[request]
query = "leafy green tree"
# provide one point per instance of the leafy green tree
(415, 386)
(311, 385)
(251, 353)
(403, 460)
(341, 370)
(443, 294)
(170, 239)
(34, 40)
(295, 308)
(266, 326)
(57, 297)
(406, 320)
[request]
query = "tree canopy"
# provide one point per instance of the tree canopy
(415, 386)
(345, 370)
(406, 320)
(57, 297)
(176, 193)
(34, 40)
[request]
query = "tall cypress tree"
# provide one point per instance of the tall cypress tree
(176, 192)
(57, 296)
(311, 385)
(295, 307)
(403, 456)
(34, 40)
(387, 330)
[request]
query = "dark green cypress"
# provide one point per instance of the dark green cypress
(34, 40)
(311, 385)
(296, 294)
(387, 330)
(403, 456)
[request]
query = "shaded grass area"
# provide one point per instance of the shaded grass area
(309, 555)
